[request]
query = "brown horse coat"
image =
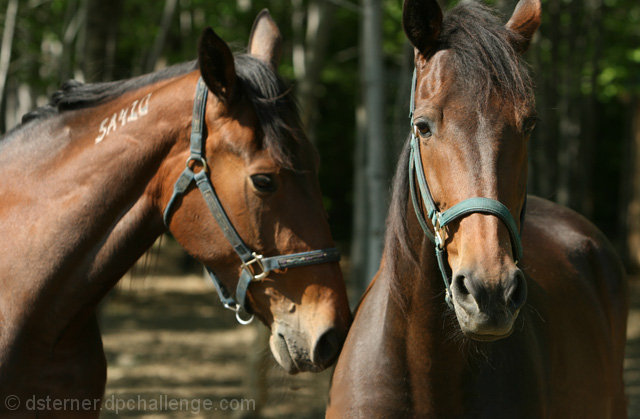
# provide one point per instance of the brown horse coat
(404, 357)
(84, 185)
(558, 350)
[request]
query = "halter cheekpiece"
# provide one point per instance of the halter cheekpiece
(440, 219)
(254, 266)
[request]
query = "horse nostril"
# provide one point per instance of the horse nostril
(459, 285)
(327, 348)
(516, 293)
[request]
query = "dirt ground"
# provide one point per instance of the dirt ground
(169, 340)
(173, 351)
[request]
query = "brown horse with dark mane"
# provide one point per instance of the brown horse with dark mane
(88, 180)
(531, 318)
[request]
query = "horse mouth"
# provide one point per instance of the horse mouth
(290, 356)
(489, 337)
(486, 326)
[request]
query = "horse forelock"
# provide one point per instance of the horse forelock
(276, 110)
(483, 57)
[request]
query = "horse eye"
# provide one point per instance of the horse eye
(529, 125)
(423, 128)
(264, 182)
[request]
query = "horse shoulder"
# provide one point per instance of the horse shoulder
(368, 380)
(571, 240)
(579, 291)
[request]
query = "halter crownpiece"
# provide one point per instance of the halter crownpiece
(440, 219)
(254, 266)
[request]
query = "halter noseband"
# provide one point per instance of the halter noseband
(440, 219)
(254, 266)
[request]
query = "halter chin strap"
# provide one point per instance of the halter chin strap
(254, 267)
(440, 219)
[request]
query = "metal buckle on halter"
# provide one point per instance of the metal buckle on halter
(200, 160)
(439, 230)
(257, 259)
(236, 309)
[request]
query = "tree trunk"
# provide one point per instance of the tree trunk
(161, 37)
(74, 18)
(376, 150)
(401, 124)
(544, 151)
(583, 180)
(370, 168)
(633, 206)
(359, 236)
(308, 55)
(100, 39)
(570, 106)
(7, 43)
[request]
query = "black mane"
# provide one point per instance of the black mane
(272, 101)
(76, 95)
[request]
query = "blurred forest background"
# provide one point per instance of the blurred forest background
(350, 67)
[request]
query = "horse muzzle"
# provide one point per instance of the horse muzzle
(300, 352)
(487, 310)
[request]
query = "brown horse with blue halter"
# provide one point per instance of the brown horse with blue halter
(90, 181)
(533, 319)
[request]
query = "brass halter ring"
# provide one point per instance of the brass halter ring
(200, 160)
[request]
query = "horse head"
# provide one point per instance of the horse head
(263, 174)
(473, 112)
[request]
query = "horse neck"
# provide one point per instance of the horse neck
(434, 359)
(88, 199)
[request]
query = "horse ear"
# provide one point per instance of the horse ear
(216, 65)
(265, 42)
(421, 20)
(524, 23)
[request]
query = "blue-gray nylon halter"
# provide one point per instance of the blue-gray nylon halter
(440, 219)
(254, 266)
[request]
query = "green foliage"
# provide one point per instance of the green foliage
(620, 75)
(567, 43)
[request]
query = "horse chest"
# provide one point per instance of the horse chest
(509, 382)
(507, 378)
